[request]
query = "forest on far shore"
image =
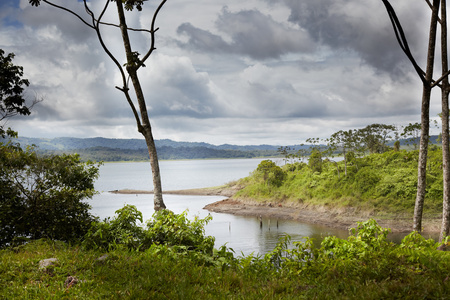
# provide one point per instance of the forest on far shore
(110, 150)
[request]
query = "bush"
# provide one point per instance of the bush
(366, 179)
(165, 228)
(43, 196)
(173, 229)
(122, 230)
(315, 161)
(271, 173)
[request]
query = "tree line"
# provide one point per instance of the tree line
(165, 153)
(374, 138)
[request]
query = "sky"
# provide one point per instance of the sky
(224, 72)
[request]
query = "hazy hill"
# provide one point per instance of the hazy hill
(106, 149)
(70, 143)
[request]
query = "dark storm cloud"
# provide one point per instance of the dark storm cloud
(251, 33)
(361, 26)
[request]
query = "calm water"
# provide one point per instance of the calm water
(243, 234)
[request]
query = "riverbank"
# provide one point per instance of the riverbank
(340, 218)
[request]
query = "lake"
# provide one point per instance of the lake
(243, 234)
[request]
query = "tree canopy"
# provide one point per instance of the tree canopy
(12, 86)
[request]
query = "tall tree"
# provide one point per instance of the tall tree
(128, 71)
(344, 140)
(427, 85)
(375, 136)
(445, 228)
(411, 133)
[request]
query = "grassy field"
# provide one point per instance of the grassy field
(364, 266)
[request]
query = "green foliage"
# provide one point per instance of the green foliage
(411, 133)
(375, 136)
(173, 229)
(315, 161)
(365, 179)
(381, 183)
(363, 266)
(11, 91)
(121, 231)
(272, 174)
(43, 196)
(397, 146)
(165, 228)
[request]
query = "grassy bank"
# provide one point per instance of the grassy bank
(365, 266)
(382, 184)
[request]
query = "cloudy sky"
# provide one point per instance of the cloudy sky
(225, 71)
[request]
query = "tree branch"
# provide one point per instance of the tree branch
(133, 108)
(69, 11)
(431, 6)
(129, 28)
(436, 83)
(401, 38)
(96, 27)
(152, 33)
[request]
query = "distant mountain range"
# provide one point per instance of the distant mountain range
(70, 143)
(104, 149)
(136, 149)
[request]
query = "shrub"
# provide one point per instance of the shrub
(173, 229)
(42, 196)
(121, 231)
(271, 173)
(366, 179)
(165, 228)
(315, 161)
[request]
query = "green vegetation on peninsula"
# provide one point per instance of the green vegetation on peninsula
(380, 183)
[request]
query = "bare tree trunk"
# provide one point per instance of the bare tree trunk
(345, 161)
(145, 129)
(425, 120)
(445, 127)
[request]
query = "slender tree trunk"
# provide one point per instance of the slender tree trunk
(345, 162)
(145, 128)
(425, 119)
(445, 127)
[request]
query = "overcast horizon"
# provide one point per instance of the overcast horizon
(249, 72)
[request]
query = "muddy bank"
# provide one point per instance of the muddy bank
(341, 218)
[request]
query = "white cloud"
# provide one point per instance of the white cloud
(243, 72)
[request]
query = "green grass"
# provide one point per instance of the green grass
(364, 266)
(380, 183)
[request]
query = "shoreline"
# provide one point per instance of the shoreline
(225, 191)
(340, 218)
